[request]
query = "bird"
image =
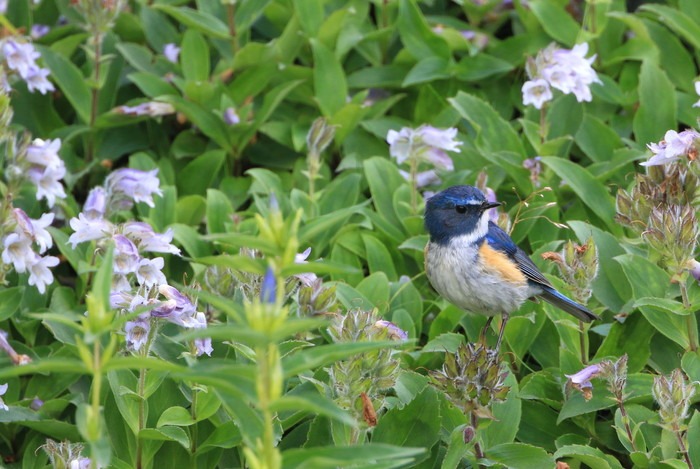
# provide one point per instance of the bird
(475, 265)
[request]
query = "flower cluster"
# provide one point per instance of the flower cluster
(569, 71)
(24, 242)
(674, 146)
(425, 144)
(46, 169)
(578, 265)
(21, 58)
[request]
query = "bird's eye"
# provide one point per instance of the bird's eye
(461, 208)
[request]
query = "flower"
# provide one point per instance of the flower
(20, 57)
(3, 390)
(673, 147)
(126, 255)
(45, 153)
(426, 143)
(177, 309)
(231, 116)
(148, 272)
(536, 92)
(151, 108)
(566, 70)
(134, 185)
(171, 52)
(86, 229)
(268, 290)
(308, 277)
(148, 240)
(18, 251)
(137, 333)
(95, 206)
(48, 183)
(39, 30)
(423, 178)
(582, 380)
(39, 273)
(36, 80)
(202, 344)
(393, 331)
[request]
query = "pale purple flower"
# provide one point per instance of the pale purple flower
(231, 117)
(426, 143)
(491, 197)
(674, 146)
(697, 91)
(694, 269)
(171, 52)
(306, 278)
(86, 229)
(148, 240)
(534, 165)
(393, 331)
(3, 390)
(3, 6)
(582, 379)
(149, 273)
(36, 80)
(120, 283)
(39, 273)
(202, 344)
(96, 204)
(151, 108)
(120, 299)
(134, 184)
(126, 255)
(177, 309)
(137, 333)
(81, 463)
(20, 57)
(536, 92)
(45, 153)
(423, 178)
(24, 223)
(48, 183)
(39, 30)
(18, 251)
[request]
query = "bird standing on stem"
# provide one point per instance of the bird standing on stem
(476, 266)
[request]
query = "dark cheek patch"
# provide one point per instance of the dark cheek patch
(501, 264)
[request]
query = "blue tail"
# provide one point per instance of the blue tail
(553, 297)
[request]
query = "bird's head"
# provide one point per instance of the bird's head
(457, 211)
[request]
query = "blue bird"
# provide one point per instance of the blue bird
(476, 266)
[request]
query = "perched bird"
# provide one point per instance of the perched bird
(476, 266)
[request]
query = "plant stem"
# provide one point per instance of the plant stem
(478, 452)
(625, 421)
(681, 446)
(692, 327)
(270, 454)
(193, 434)
(231, 18)
(582, 339)
(142, 415)
(96, 387)
(543, 123)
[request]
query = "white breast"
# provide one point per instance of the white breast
(458, 275)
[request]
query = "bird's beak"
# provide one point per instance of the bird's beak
(488, 205)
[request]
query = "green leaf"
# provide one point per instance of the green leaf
(384, 179)
(480, 66)
(416, 424)
(368, 455)
(417, 36)
(520, 455)
(70, 80)
(678, 21)
(219, 211)
(591, 191)
(175, 415)
(592, 457)
(197, 20)
(494, 133)
(314, 357)
(310, 14)
(556, 21)
(645, 277)
(200, 173)
(378, 257)
(10, 299)
(166, 433)
(194, 56)
(375, 288)
(693, 436)
(331, 89)
(657, 104)
(428, 69)
(315, 404)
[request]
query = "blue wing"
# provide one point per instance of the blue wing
(499, 240)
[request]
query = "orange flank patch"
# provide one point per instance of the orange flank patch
(501, 263)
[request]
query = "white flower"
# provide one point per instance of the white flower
(151, 108)
(3, 390)
(48, 183)
(439, 138)
(400, 143)
(137, 333)
(41, 236)
(19, 56)
(45, 153)
(423, 178)
(120, 283)
(536, 92)
(426, 143)
(36, 80)
(231, 117)
(171, 52)
(149, 273)
(86, 229)
(39, 273)
(18, 251)
(308, 277)
(96, 203)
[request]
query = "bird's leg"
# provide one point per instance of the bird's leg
(504, 320)
(482, 336)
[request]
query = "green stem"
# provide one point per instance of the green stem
(193, 434)
(681, 446)
(690, 324)
(231, 18)
(264, 376)
(142, 415)
(96, 388)
(626, 421)
(478, 452)
(543, 123)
